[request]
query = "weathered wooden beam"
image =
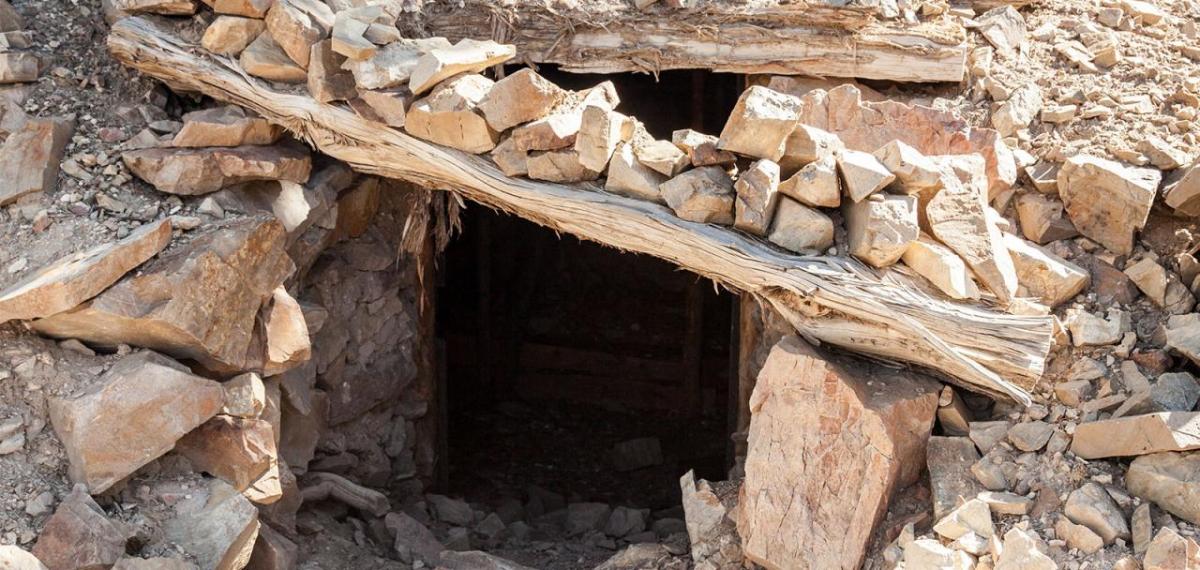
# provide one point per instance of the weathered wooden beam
(789, 39)
(827, 298)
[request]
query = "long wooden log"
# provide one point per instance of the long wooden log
(832, 299)
(789, 39)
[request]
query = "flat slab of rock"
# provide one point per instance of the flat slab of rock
(194, 171)
(800, 229)
(1107, 201)
(760, 123)
(230, 35)
(914, 171)
(950, 479)
(200, 302)
(1050, 278)
(229, 125)
(880, 228)
(466, 56)
(248, 8)
(80, 535)
(134, 414)
(266, 59)
(1170, 480)
(600, 131)
(393, 64)
(30, 157)
(161, 7)
(702, 195)
(449, 115)
(814, 491)
(76, 278)
(18, 67)
(1137, 435)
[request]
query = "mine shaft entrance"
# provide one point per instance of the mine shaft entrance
(596, 374)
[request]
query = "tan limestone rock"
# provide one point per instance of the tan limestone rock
(958, 218)
(79, 535)
(710, 514)
(600, 131)
(702, 195)
(1170, 551)
(199, 302)
(30, 157)
(808, 144)
(629, 177)
(216, 525)
(298, 24)
(1078, 536)
(193, 171)
(862, 174)
(757, 197)
(760, 123)
(273, 551)
(1019, 110)
(229, 35)
(245, 396)
(266, 59)
(942, 267)
(661, 156)
(1041, 218)
(913, 170)
(247, 8)
(466, 56)
(520, 98)
(327, 81)
(449, 116)
(1182, 190)
(816, 184)
(238, 450)
(1092, 506)
(391, 105)
(288, 344)
(1137, 435)
(800, 229)
(814, 491)
(76, 278)
(1107, 201)
(1170, 480)
(225, 126)
(347, 37)
(1050, 278)
(880, 228)
(1023, 550)
(15, 558)
(563, 165)
(553, 132)
(131, 416)
(701, 149)
(393, 64)
(511, 160)
(161, 7)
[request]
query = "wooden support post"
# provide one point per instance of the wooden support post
(693, 347)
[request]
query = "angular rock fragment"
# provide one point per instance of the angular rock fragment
(30, 157)
(200, 302)
(969, 526)
(958, 218)
(1107, 202)
(757, 197)
(554, 132)
(1042, 220)
(134, 414)
(237, 450)
(512, 161)
(629, 177)
(298, 24)
(216, 525)
(950, 480)
(880, 228)
(942, 267)
(520, 98)
(326, 79)
(266, 59)
(1182, 190)
(1091, 506)
(816, 184)
(808, 144)
(1171, 392)
(1078, 536)
(18, 67)
(702, 195)
(1050, 278)
(1170, 551)
(245, 396)
(230, 35)
(391, 105)
(1022, 550)
(413, 538)
(800, 229)
(929, 553)
(1170, 480)
(913, 170)
(711, 522)
(1161, 286)
(393, 64)
(701, 149)
(847, 490)
(247, 8)
(76, 278)
(1137, 435)
(760, 123)
(449, 115)
(347, 37)
(862, 174)
(79, 535)
(466, 56)
(161, 7)
(225, 126)
(1018, 111)
(661, 156)
(287, 339)
(600, 130)
(1090, 330)
(565, 165)
(14, 558)
(193, 171)
(273, 551)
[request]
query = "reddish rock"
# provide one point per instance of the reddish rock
(194, 171)
(238, 450)
(30, 157)
(79, 535)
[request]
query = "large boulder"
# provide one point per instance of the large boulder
(133, 414)
(814, 490)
